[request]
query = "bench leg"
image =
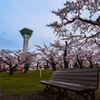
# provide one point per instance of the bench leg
(59, 89)
(51, 87)
(65, 92)
(61, 92)
(84, 95)
(47, 88)
(92, 96)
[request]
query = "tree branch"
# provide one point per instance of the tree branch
(6, 62)
(89, 21)
(97, 43)
(93, 35)
(69, 21)
(47, 61)
(83, 20)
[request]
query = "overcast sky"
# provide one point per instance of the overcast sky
(33, 14)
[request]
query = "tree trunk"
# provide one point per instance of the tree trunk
(61, 65)
(26, 67)
(54, 67)
(75, 65)
(25, 70)
(11, 71)
(66, 64)
(46, 66)
(80, 64)
(91, 65)
(37, 65)
(0, 67)
(64, 56)
(52, 63)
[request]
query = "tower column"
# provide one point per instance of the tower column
(25, 43)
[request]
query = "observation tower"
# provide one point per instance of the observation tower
(26, 34)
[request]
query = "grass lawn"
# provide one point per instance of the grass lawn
(25, 82)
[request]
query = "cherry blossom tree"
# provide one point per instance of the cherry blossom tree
(79, 57)
(51, 55)
(38, 61)
(2, 66)
(89, 57)
(16, 58)
(0, 63)
(37, 65)
(78, 18)
(75, 27)
(86, 56)
(65, 50)
(27, 59)
(96, 56)
(9, 59)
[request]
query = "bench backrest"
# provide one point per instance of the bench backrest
(87, 77)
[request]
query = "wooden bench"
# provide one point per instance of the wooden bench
(82, 81)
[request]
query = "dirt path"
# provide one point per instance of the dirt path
(1, 93)
(37, 96)
(23, 96)
(32, 96)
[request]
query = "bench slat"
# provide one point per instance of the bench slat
(92, 83)
(76, 77)
(80, 70)
(68, 86)
(75, 73)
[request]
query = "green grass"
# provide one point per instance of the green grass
(23, 82)
(26, 82)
